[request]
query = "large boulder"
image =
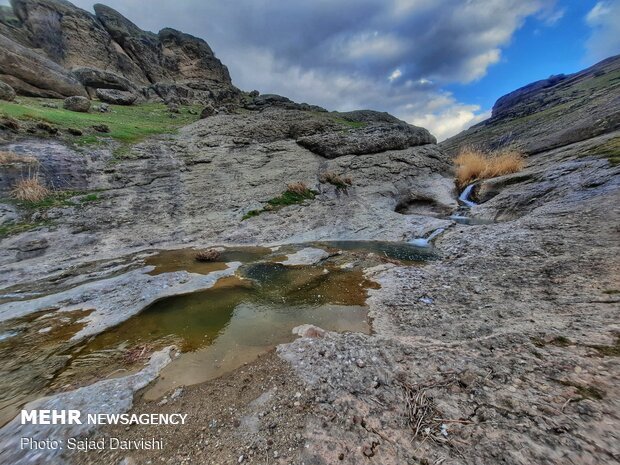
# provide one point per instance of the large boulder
(116, 97)
(32, 74)
(77, 103)
(370, 132)
(6, 92)
(100, 79)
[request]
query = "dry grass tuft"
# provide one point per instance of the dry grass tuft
(473, 164)
(298, 188)
(341, 182)
(7, 158)
(30, 190)
(209, 255)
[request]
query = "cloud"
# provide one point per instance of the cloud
(604, 19)
(342, 54)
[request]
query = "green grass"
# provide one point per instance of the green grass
(285, 199)
(609, 150)
(56, 199)
(291, 198)
(16, 228)
(128, 124)
(350, 124)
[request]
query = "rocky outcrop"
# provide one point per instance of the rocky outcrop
(106, 51)
(6, 92)
(371, 132)
(99, 79)
(116, 97)
(73, 37)
(551, 113)
(30, 73)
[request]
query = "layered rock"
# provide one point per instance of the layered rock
(30, 73)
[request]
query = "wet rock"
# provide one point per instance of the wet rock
(76, 103)
(306, 256)
(308, 330)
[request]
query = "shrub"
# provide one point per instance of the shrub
(474, 164)
(341, 182)
(30, 190)
(208, 255)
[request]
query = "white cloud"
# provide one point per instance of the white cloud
(604, 19)
(395, 75)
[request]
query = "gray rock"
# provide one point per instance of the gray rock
(99, 79)
(116, 97)
(32, 74)
(76, 103)
(6, 92)
(373, 138)
(207, 111)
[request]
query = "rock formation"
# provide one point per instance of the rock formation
(51, 48)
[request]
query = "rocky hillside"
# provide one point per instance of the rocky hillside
(51, 48)
(550, 113)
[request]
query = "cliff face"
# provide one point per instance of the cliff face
(552, 112)
(58, 50)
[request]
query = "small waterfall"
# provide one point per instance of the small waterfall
(426, 242)
(464, 197)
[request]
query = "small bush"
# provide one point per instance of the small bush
(30, 190)
(473, 164)
(341, 182)
(209, 255)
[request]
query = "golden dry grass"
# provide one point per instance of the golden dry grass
(474, 165)
(7, 158)
(30, 190)
(299, 188)
(337, 180)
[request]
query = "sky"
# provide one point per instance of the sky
(440, 64)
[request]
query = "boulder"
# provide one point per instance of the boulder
(174, 93)
(116, 97)
(6, 92)
(29, 73)
(99, 79)
(373, 132)
(207, 111)
(77, 103)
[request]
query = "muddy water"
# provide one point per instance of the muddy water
(242, 317)
(216, 330)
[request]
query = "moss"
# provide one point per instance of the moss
(251, 214)
(291, 198)
(349, 124)
(17, 228)
(287, 198)
(128, 124)
(585, 391)
(608, 351)
(89, 198)
(609, 150)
